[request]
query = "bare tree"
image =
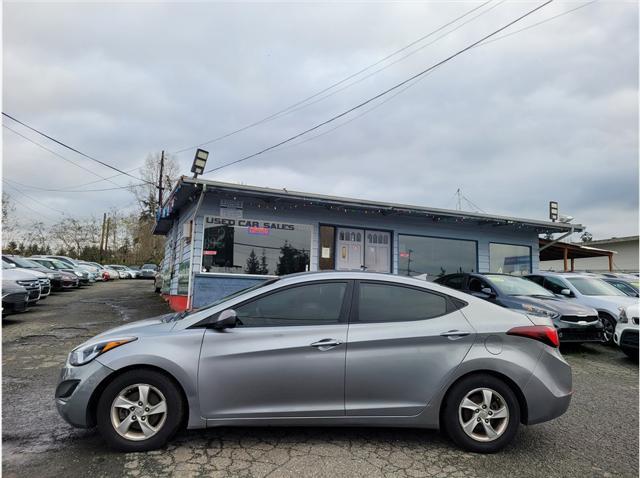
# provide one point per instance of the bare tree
(147, 193)
(9, 221)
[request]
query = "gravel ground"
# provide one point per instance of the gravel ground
(598, 436)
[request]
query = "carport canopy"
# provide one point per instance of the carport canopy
(555, 251)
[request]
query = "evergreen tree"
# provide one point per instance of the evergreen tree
(264, 267)
(253, 265)
(291, 260)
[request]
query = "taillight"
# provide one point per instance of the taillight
(543, 333)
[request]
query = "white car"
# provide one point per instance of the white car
(590, 291)
(626, 334)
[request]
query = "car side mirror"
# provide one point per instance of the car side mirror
(227, 319)
(566, 292)
(488, 291)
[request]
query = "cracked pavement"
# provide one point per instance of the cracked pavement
(598, 436)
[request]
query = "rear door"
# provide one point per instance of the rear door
(286, 359)
(403, 343)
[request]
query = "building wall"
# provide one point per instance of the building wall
(626, 258)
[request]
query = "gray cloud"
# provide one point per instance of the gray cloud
(550, 113)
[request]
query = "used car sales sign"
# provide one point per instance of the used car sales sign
(255, 227)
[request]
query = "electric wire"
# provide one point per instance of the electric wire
(383, 93)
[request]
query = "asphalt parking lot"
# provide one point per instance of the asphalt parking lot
(598, 436)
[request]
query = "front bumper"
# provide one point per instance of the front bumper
(580, 334)
(15, 302)
(75, 388)
(629, 339)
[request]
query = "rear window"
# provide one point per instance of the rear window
(588, 286)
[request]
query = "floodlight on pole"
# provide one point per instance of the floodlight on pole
(553, 210)
(199, 162)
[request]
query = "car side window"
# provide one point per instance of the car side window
(537, 279)
(554, 285)
(395, 303)
(476, 285)
(455, 282)
(309, 304)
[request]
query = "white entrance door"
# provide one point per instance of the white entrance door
(349, 249)
(377, 252)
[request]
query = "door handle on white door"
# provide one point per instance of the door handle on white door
(455, 334)
(326, 344)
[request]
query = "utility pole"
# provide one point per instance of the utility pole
(104, 223)
(160, 188)
(106, 236)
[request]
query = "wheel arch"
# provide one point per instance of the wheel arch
(522, 401)
(92, 407)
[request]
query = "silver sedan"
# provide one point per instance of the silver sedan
(330, 348)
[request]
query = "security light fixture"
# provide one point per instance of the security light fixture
(199, 162)
(566, 219)
(553, 210)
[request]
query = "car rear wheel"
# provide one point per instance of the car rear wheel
(609, 327)
(482, 414)
(140, 410)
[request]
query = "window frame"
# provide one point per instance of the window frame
(364, 241)
(343, 318)
(512, 244)
(452, 303)
(475, 241)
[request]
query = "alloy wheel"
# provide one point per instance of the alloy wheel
(138, 412)
(608, 330)
(483, 414)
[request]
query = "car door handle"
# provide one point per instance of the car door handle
(326, 344)
(455, 334)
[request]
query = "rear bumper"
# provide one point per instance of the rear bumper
(549, 390)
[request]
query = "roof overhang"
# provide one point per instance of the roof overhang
(557, 250)
(188, 189)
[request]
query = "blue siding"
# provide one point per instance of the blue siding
(315, 215)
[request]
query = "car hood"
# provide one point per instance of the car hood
(551, 304)
(20, 274)
(138, 328)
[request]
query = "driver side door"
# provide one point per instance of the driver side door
(285, 359)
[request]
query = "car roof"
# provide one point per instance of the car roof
(565, 274)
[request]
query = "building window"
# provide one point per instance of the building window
(247, 246)
(509, 259)
(435, 256)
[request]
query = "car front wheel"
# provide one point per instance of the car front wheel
(482, 414)
(609, 327)
(140, 410)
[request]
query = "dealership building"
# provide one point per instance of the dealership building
(223, 237)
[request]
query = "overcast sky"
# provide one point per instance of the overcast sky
(550, 113)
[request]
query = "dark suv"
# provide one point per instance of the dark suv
(575, 323)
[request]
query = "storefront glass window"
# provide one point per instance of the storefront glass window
(435, 256)
(509, 259)
(247, 246)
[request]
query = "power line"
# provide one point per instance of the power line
(410, 85)
(293, 107)
(8, 183)
(75, 150)
(56, 154)
(73, 191)
(383, 93)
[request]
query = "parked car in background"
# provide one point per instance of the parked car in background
(626, 334)
(624, 284)
(73, 277)
(55, 278)
(134, 273)
(83, 275)
(574, 322)
(92, 268)
(148, 271)
(28, 280)
(15, 298)
(43, 279)
(123, 272)
(589, 291)
(326, 348)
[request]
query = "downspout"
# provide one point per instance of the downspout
(193, 242)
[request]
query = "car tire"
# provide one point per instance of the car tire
(609, 325)
(477, 439)
(127, 386)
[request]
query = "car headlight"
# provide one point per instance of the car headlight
(51, 276)
(77, 273)
(86, 353)
(539, 312)
(623, 315)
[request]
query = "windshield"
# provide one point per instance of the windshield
(20, 262)
(153, 267)
(588, 286)
(511, 285)
(184, 314)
